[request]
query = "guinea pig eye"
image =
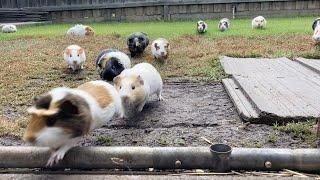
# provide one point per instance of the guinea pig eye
(133, 87)
(78, 55)
(70, 55)
(50, 122)
(120, 87)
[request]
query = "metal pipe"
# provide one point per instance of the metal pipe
(166, 158)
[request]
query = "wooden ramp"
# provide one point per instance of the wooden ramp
(273, 90)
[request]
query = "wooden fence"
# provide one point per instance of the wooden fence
(138, 10)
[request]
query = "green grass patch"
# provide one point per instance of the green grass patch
(104, 140)
(302, 130)
(239, 27)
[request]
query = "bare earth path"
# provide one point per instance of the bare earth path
(190, 110)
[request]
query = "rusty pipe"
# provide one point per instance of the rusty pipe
(166, 158)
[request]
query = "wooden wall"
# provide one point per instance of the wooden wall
(138, 10)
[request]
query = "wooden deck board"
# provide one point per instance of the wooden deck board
(280, 88)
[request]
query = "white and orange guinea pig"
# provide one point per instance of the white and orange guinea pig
(62, 116)
(160, 49)
(75, 57)
(136, 85)
(80, 30)
(259, 22)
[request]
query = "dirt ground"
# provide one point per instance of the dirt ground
(190, 111)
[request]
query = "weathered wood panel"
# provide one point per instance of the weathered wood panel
(277, 89)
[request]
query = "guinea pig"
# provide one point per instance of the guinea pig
(136, 85)
(160, 49)
(75, 57)
(316, 30)
(62, 116)
(202, 27)
(111, 62)
(9, 28)
(224, 24)
(80, 31)
(259, 22)
(137, 42)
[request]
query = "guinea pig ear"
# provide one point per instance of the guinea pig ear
(116, 80)
(80, 51)
(156, 46)
(67, 51)
(140, 80)
(68, 107)
(314, 24)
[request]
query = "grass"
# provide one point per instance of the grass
(104, 140)
(32, 63)
(302, 130)
(239, 27)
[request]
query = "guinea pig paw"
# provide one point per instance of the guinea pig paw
(55, 158)
(160, 98)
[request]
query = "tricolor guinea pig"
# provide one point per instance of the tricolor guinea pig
(80, 31)
(75, 57)
(111, 62)
(160, 49)
(136, 85)
(316, 30)
(9, 28)
(259, 22)
(224, 24)
(62, 116)
(137, 43)
(202, 27)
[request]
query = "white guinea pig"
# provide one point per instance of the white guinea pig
(316, 30)
(63, 115)
(160, 49)
(202, 27)
(259, 22)
(75, 57)
(224, 24)
(9, 28)
(136, 85)
(80, 31)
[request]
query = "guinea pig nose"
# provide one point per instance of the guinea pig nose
(125, 98)
(29, 139)
(162, 53)
(74, 62)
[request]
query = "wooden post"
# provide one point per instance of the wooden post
(318, 132)
(166, 15)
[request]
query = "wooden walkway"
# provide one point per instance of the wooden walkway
(273, 90)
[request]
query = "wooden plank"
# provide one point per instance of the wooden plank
(242, 104)
(277, 87)
(312, 64)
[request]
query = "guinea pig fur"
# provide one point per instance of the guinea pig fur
(137, 42)
(75, 57)
(9, 28)
(259, 22)
(80, 31)
(316, 30)
(160, 49)
(136, 85)
(111, 62)
(202, 27)
(62, 116)
(224, 24)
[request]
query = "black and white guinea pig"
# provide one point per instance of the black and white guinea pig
(137, 43)
(316, 30)
(202, 27)
(224, 24)
(111, 62)
(62, 116)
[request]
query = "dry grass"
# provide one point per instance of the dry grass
(32, 66)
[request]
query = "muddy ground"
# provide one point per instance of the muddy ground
(189, 111)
